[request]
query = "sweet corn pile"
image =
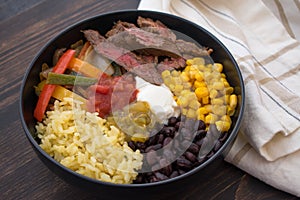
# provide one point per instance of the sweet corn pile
(203, 93)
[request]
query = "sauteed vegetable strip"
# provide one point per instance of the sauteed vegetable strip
(85, 68)
(66, 79)
(48, 89)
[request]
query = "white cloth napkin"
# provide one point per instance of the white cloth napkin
(265, 46)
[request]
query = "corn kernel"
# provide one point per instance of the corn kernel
(230, 111)
(175, 73)
(210, 118)
(222, 126)
(172, 86)
(184, 111)
(226, 118)
(218, 85)
(184, 76)
(178, 88)
(201, 68)
(203, 111)
(199, 76)
(205, 100)
(201, 117)
(226, 84)
(227, 98)
(229, 90)
(189, 61)
(218, 67)
(233, 101)
(194, 104)
(177, 80)
(217, 101)
(183, 101)
(213, 93)
(208, 107)
(198, 84)
(219, 110)
(208, 76)
(165, 73)
(187, 85)
(191, 113)
(198, 61)
(201, 92)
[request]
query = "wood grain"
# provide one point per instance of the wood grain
(24, 28)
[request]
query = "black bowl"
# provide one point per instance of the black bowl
(105, 21)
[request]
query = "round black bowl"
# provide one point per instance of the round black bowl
(72, 34)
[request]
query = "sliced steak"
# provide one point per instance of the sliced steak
(119, 27)
(136, 39)
(171, 63)
(157, 27)
(189, 49)
(138, 65)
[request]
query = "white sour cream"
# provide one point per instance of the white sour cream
(159, 98)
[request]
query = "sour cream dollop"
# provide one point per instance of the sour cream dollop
(159, 98)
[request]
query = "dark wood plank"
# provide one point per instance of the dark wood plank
(9, 8)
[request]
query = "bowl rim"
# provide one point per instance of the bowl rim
(230, 138)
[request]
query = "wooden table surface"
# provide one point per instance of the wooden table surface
(25, 26)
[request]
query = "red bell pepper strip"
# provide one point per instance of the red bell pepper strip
(48, 89)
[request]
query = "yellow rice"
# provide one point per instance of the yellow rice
(87, 144)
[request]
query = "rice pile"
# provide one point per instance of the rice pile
(88, 145)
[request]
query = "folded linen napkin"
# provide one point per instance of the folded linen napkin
(265, 48)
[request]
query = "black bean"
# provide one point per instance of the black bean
(151, 157)
(131, 145)
(167, 140)
(171, 132)
(154, 147)
(199, 142)
(172, 121)
(183, 163)
(191, 124)
(160, 176)
(139, 179)
(185, 144)
(152, 140)
(210, 154)
(217, 146)
(153, 179)
(167, 170)
(201, 125)
(174, 174)
(160, 138)
(200, 134)
(166, 167)
(223, 137)
(155, 167)
(181, 171)
(168, 154)
(140, 145)
(178, 125)
(190, 156)
(194, 148)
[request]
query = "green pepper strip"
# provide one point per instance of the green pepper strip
(66, 79)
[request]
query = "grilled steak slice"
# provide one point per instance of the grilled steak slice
(119, 27)
(138, 65)
(136, 39)
(189, 49)
(157, 27)
(170, 64)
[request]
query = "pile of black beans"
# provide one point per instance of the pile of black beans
(177, 148)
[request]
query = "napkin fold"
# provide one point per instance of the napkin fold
(262, 39)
